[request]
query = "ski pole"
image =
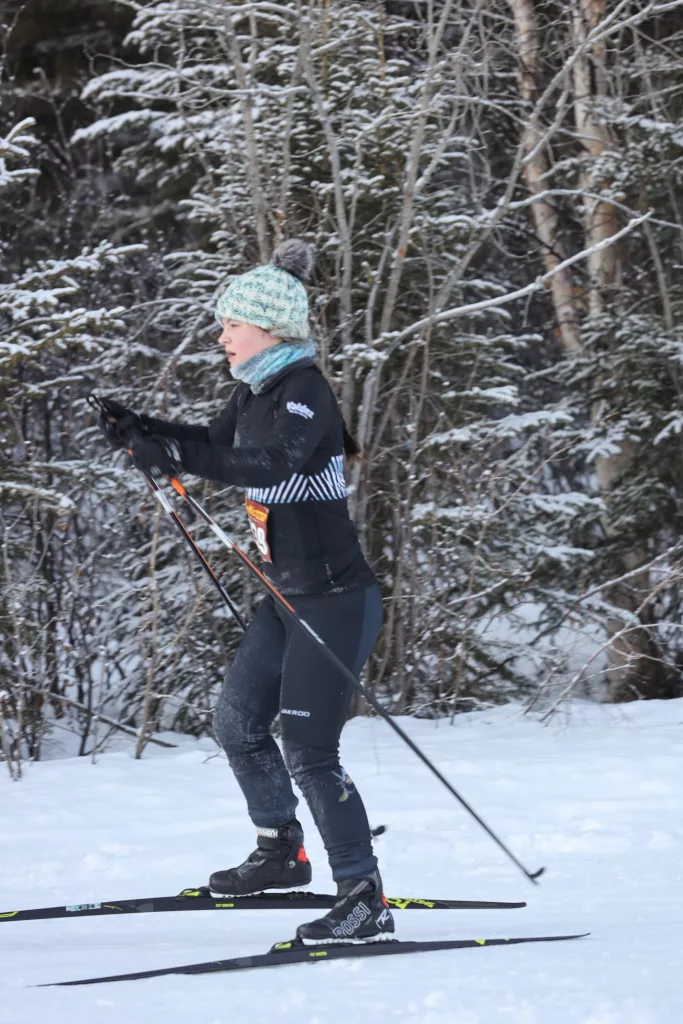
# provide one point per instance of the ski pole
(340, 666)
(95, 403)
(161, 497)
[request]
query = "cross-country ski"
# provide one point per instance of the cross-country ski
(203, 899)
(287, 953)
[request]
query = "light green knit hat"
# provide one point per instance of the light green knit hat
(272, 296)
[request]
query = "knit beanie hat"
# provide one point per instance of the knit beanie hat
(272, 295)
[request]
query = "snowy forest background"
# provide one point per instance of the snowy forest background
(494, 191)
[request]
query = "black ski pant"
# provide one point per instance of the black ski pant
(279, 668)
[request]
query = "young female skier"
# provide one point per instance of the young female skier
(282, 437)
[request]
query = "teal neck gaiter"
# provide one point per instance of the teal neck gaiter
(257, 371)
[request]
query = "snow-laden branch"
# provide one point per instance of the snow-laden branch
(672, 552)
(96, 715)
(50, 498)
(15, 145)
(626, 630)
(581, 193)
(500, 300)
(213, 8)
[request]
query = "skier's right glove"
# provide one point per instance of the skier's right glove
(119, 424)
(160, 456)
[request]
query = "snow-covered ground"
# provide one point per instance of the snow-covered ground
(597, 798)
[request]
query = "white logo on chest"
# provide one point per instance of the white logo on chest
(300, 409)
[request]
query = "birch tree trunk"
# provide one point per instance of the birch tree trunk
(543, 211)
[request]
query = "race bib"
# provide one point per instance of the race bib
(258, 520)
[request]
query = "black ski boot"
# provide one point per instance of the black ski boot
(361, 914)
(278, 862)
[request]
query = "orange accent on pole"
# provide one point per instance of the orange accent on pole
(265, 579)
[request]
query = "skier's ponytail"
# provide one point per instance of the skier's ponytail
(352, 449)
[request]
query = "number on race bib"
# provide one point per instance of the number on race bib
(258, 521)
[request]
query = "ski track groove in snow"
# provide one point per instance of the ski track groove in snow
(597, 798)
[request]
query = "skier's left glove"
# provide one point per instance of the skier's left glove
(154, 454)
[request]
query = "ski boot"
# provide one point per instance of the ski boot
(361, 914)
(278, 862)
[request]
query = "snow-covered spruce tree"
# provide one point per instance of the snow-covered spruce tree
(53, 627)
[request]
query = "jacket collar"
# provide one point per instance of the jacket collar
(269, 384)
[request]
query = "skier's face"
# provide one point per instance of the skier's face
(242, 341)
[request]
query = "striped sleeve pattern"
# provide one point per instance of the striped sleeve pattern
(326, 486)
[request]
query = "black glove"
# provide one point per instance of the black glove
(154, 454)
(118, 423)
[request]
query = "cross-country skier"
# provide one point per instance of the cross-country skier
(282, 437)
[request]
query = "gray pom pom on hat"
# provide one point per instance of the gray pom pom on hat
(296, 257)
(272, 296)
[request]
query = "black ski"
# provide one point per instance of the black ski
(202, 899)
(295, 953)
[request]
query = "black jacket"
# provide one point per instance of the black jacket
(285, 446)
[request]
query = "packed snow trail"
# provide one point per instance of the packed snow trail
(597, 797)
